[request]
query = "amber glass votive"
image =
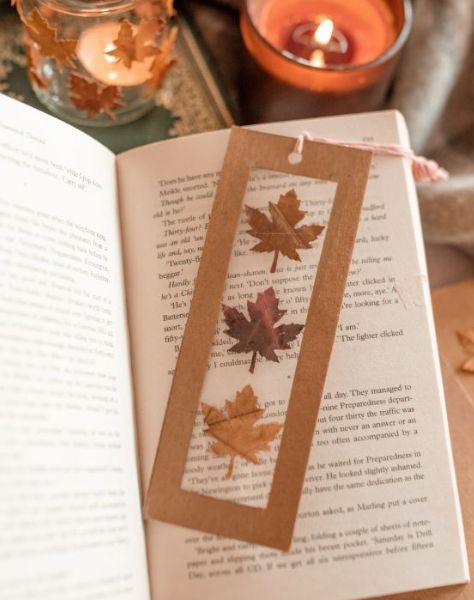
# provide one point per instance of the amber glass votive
(341, 54)
(97, 62)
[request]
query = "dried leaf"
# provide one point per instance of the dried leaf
(468, 365)
(33, 61)
(130, 46)
(259, 334)
(280, 234)
(236, 432)
(89, 97)
(62, 51)
(162, 63)
(466, 339)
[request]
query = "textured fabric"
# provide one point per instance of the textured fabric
(433, 88)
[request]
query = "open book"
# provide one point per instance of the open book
(97, 250)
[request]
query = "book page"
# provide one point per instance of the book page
(379, 512)
(70, 521)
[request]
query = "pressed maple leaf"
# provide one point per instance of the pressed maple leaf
(88, 96)
(235, 429)
(280, 234)
(466, 339)
(33, 65)
(62, 51)
(136, 44)
(162, 63)
(258, 335)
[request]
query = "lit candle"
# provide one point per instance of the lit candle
(325, 45)
(93, 50)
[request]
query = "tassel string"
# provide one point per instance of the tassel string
(424, 169)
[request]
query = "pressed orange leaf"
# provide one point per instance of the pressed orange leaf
(49, 45)
(280, 234)
(235, 429)
(259, 335)
(90, 97)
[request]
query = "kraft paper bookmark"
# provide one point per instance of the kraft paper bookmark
(166, 500)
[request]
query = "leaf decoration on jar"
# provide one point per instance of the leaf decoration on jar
(169, 7)
(235, 429)
(466, 339)
(163, 62)
(151, 9)
(46, 38)
(280, 234)
(136, 43)
(93, 99)
(259, 335)
(33, 65)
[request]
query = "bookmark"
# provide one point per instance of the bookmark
(166, 500)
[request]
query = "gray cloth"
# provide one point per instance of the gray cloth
(433, 88)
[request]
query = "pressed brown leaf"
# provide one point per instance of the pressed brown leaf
(136, 45)
(235, 429)
(258, 335)
(466, 339)
(62, 51)
(88, 96)
(280, 234)
(163, 62)
(33, 61)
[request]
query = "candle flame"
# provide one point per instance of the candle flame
(108, 48)
(324, 31)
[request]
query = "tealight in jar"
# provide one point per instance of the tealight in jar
(97, 62)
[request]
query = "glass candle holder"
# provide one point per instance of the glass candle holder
(341, 54)
(97, 62)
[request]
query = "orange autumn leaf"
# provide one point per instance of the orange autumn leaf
(33, 66)
(136, 44)
(62, 51)
(259, 334)
(235, 429)
(162, 63)
(280, 234)
(466, 339)
(88, 96)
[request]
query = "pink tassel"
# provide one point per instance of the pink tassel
(424, 169)
(428, 170)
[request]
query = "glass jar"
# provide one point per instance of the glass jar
(98, 62)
